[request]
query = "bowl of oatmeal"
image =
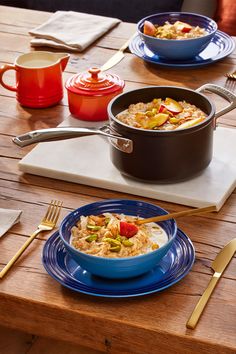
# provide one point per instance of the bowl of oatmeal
(176, 36)
(103, 238)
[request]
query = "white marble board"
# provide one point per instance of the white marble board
(86, 160)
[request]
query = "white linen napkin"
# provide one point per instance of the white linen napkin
(71, 30)
(8, 217)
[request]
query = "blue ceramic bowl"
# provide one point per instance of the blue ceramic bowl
(115, 268)
(174, 48)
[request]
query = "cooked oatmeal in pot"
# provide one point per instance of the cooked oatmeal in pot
(115, 236)
(162, 114)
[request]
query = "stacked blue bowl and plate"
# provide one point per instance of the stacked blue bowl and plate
(208, 48)
(122, 276)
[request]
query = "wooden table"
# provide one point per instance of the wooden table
(31, 300)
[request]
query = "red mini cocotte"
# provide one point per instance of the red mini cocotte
(90, 92)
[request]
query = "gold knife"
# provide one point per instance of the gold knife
(218, 265)
(118, 56)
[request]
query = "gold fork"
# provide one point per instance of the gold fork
(230, 84)
(47, 223)
(231, 76)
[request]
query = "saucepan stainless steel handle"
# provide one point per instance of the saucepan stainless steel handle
(221, 91)
(61, 133)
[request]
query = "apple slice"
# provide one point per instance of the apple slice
(190, 123)
(172, 106)
(158, 120)
(149, 29)
(183, 27)
(141, 119)
(162, 108)
(186, 29)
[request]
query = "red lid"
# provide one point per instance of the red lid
(94, 83)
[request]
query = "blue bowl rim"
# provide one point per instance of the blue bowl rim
(177, 13)
(107, 258)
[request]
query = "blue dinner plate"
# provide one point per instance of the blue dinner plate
(220, 47)
(173, 267)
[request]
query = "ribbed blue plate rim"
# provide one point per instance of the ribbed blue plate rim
(54, 258)
(222, 40)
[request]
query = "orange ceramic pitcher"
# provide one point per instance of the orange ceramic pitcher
(38, 78)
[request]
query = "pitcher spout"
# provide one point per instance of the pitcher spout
(63, 59)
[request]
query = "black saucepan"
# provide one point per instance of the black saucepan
(167, 156)
(152, 155)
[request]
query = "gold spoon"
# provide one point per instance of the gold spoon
(176, 215)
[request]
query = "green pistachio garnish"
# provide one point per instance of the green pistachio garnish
(93, 227)
(120, 238)
(107, 220)
(115, 249)
(112, 241)
(115, 244)
(91, 238)
(149, 114)
(127, 243)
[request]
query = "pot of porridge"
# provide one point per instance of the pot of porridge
(161, 134)
(173, 144)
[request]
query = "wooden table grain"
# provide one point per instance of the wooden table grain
(30, 299)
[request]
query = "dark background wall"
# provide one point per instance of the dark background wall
(125, 10)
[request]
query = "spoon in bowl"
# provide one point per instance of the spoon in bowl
(176, 215)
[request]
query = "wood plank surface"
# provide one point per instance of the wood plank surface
(18, 342)
(34, 302)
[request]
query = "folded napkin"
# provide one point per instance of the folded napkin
(8, 217)
(71, 30)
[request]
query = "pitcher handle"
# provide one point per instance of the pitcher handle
(3, 69)
(221, 91)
